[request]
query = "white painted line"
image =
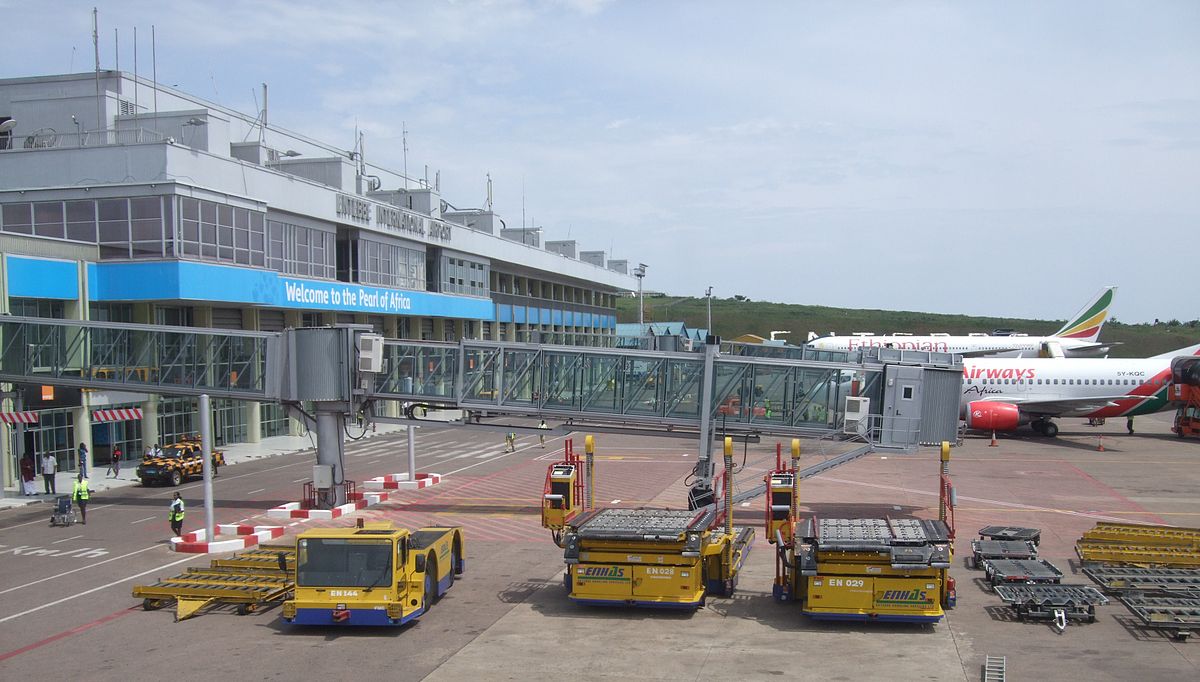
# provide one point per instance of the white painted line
(148, 518)
(256, 491)
(76, 570)
(73, 537)
(614, 502)
(42, 521)
(297, 523)
(96, 589)
(301, 480)
(375, 461)
(745, 504)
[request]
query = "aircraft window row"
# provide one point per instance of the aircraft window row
(1069, 382)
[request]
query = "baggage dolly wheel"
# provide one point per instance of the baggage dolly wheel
(246, 609)
(152, 604)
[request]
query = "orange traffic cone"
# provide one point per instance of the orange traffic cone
(1101, 448)
(993, 443)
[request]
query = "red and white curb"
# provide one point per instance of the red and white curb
(292, 510)
(401, 482)
(247, 536)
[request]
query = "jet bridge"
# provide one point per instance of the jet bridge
(794, 394)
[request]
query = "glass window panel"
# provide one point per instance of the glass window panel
(256, 258)
(81, 211)
(242, 257)
(241, 238)
(224, 235)
(113, 209)
(190, 208)
(82, 232)
(208, 250)
(145, 207)
(256, 241)
(190, 230)
(114, 232)
(225, 253)
(256, 221)
(18, 218)
(208, 234)
(191, 249)
(114, 251)
(301, 236)
(208, 212)
(147, 249)
(149, 229)
(241, 218)
(225, 215)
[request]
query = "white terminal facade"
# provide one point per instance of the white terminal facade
(124, 200)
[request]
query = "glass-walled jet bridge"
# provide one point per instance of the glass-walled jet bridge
(799, 395)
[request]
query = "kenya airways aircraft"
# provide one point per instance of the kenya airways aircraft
(1002, 394)
(1076, 339)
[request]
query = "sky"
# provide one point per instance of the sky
(986, 158)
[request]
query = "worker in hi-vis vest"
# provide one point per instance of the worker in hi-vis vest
(175, 515)
(80, 494)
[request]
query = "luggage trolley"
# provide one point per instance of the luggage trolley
(64, 512)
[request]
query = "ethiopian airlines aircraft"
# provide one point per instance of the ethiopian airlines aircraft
(1076, 339)
(1002, 394)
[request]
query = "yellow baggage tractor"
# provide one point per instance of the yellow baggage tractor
(372, 574)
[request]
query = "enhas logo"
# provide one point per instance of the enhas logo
(904, 597)
(611, 572)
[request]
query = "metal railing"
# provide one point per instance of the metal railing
(49, 138)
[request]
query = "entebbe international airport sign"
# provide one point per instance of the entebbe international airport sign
(390, 218)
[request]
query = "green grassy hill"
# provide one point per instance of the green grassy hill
(732, 317)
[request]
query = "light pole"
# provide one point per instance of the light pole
(640, 273)
(708, 295)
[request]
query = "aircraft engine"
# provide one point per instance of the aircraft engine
(991, 416)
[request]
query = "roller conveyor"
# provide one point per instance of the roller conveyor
(639, 524)
(984, 550)
(1033, 535)
(1059, 602)
(1180, 616)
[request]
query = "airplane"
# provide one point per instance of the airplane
(1003, 394)
(1077, 338)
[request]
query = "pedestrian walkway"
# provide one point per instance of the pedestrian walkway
(234, 454)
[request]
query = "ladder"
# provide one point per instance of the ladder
(994, 668)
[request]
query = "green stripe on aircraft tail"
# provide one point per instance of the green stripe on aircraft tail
(1101, 303)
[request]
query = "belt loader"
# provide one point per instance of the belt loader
(656, 558)
(860, 569)
(372, 574)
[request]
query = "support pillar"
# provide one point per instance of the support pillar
(330, 423)
(150, 434)
(253, 421)
(81, 418)
(206, 466)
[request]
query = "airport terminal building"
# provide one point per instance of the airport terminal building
(123, 200)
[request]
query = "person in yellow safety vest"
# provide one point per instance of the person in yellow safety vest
(80, 494)
(175, 515)
(510, 440)
(542, 436)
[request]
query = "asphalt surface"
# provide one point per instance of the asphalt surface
(66, 609)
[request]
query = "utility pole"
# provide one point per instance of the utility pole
(708, 295)
(640, 273)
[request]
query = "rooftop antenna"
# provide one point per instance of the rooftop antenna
(135, 74)
(72, 69)
(522, 202)
(437, 181)
(154, 71)
(96, 46)
(404, 147)
(262, 129)
(488, 203)
(116, 49)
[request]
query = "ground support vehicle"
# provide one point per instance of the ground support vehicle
(1021, 571)
(987, 550)
(1058, 602)
(247, 580)
(861, 569)
(1140, 545)
(1161, 598)
(179, 462)
(1177, 616)
(656, 558)
(372, 574)
(1032, 535)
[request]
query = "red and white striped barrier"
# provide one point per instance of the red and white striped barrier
(292, 510)
(401, 482)
(247, 536)
(19, 417)
(124, 414)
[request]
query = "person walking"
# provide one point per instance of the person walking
(542, 436)
(114, 467)
(175, 515)
(49, 469)
(28, 476)
(80, 494)
(510, 441)
(1129, 424)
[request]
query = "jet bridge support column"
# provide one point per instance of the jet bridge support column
(331, 422)
(701, 493)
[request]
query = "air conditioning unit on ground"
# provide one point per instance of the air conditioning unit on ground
(857, 411)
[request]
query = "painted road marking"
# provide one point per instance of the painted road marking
(85, 593)
(31, 550)
(256, 491)
(82, 568)
(73, 537)
(148, 518)
(300, 480)
(614, 502)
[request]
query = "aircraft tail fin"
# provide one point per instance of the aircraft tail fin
(1087, 323)
(1190, 350)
